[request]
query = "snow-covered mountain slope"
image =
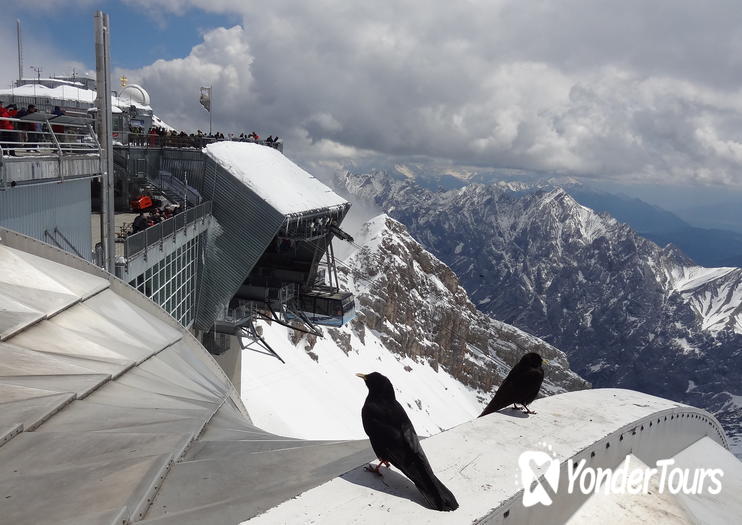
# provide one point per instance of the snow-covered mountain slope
(415, 324)
(316, 394)
(714, 294)
(627, 312)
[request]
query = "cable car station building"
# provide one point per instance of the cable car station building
(254, 239)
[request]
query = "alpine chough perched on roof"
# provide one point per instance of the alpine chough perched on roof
(521, 386)
(395, 441)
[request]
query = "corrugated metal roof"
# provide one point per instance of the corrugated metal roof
(245, 226)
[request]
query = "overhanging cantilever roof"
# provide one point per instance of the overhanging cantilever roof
(111, 412)
(274, 178)
(255, 190)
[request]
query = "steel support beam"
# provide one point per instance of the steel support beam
(103, 103)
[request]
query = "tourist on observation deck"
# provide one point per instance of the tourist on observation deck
(6, 130)
(34, 128)
(153, 136)
(139, 224)
(58, 129)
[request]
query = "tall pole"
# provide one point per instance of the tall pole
(211, 104)
(103, 103)
(20, 50)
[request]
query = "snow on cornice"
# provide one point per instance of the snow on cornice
(271, 175)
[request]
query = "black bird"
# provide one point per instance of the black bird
(395, 441)
(520, 386)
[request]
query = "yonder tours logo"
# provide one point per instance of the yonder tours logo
(539, 472)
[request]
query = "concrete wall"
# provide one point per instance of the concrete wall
(231, 362)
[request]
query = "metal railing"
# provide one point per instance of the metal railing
(46, 135)
(154, 237)
(48, 103)
(147, 140)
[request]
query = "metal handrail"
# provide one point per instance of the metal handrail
(138, 243)
(76, 137)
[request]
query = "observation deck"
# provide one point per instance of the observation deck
(46, 148)
(46, 163)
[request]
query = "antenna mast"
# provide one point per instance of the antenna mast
(20, 50)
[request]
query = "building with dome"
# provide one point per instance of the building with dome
(76, 95)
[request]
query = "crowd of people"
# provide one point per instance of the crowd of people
(28, 135)
(254, 137)
(160, 136)
(155, 216)
(14, 134)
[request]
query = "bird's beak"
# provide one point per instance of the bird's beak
(362, 376)
(545, 360)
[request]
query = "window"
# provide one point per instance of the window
(171, 283)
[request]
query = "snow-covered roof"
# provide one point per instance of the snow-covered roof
(71, 93)
(273, 177)
(52, 80)
(62, 92)
(479, 462)
(134, 94)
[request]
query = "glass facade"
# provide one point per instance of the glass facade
(171, 283)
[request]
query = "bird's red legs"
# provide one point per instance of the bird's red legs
(528, 410)
(376, 469)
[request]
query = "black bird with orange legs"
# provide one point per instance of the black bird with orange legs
(395, 441)
(521, 386)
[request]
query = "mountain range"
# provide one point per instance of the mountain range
(706, 243)
(627, 312)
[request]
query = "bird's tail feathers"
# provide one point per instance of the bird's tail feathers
(435, 492)
(445, 499)
(494, 406)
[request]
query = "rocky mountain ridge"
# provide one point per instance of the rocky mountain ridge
(627, 312)
(416, 305)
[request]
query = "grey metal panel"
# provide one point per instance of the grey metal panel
(61, 209)
(183, 163)
(232, 251)
(247, 471)
(38, 168)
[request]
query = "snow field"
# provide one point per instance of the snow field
(322, 398)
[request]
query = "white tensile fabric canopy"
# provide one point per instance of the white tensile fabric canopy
(111, 411)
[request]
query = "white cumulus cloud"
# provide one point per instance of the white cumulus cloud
(629, 90)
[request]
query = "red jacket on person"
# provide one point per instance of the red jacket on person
(6, 124)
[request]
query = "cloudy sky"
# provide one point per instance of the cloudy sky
(631, 91)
